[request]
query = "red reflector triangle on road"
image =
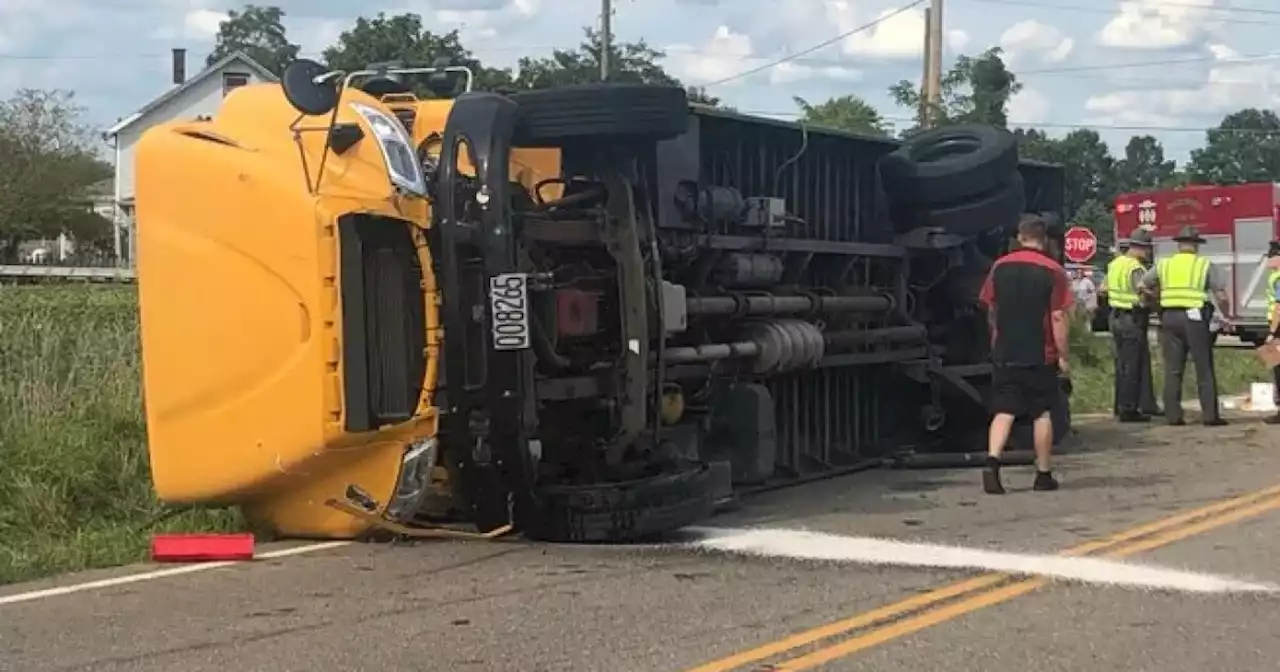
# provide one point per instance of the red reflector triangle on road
(201, 547)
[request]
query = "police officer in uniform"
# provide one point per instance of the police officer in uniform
(1273, 318)
(1129, 325)
(1183, 282)
(1147, 403)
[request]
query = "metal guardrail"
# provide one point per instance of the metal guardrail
(92, 274)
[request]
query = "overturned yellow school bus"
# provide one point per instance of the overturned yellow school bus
(586, 313)
(290, 320)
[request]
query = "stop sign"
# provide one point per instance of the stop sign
(1079, 245)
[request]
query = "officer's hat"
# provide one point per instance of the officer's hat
(1140, 238)
(1189, 234)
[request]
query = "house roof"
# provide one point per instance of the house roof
(235, 56)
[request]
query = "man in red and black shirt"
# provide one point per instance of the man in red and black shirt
(1027, 296)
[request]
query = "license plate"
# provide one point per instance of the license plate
(509, 305)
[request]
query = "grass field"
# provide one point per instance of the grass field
(73, 441)
(72, 437)
(1093, 372)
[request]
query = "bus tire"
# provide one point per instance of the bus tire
(622, 512)
(950, 164)
(999, 209)
(643, 112)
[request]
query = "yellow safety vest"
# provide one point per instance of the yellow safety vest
(1271, 294)
(1182, 280)
(1120, 291)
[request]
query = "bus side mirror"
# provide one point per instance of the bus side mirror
(309, 87)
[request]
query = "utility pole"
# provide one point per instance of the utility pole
(606, 36)
(922, 109)
(933, 91)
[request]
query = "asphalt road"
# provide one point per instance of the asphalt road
(521, 607)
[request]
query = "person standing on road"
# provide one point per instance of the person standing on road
(1027, 295)
(1147, 401)
(1183, 282)
(1129, 326)
(1273, 321)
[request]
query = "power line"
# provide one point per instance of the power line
(1235, 60)
(809, 50)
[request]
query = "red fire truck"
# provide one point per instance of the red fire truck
(1238, 222)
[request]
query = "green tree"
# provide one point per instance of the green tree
(1144, 166)
(698, 94)
(1090, 170)
(1245, 147)
(403, 38)
(46, 166)
(975, 90)
(634, 62)
(845, 113)
(629, 62)
(1036, 144)
(259, 32)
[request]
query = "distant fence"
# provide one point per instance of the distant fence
(50, 273)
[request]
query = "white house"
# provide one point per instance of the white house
(201, 95)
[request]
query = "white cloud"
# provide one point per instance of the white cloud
(1232, 83)
(897, 35)
(900, 36)
(1028, 107)
(526, 7)
(481, 19)
(314, 34)
(789, 71)
(728, 54)
(204, 22)
(1155, 24)
(1031, 38)
(724, 55)
(197, 25)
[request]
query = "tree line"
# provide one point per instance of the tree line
(48, 162)
(48, 159)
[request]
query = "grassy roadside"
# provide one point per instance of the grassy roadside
(1093, 371)
(72, 437)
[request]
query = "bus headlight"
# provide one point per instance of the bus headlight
(397, 149)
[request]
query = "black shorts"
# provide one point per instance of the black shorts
(1024, 391)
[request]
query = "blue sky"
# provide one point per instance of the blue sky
(1078, 59)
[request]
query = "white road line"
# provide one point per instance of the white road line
(806, 545)
(163, 573)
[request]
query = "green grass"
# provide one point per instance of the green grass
(1093, 371)
(77, 492)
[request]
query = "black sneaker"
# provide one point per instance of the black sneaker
(1045, 482)
(1272, 419)
(1215, 422)
(991, 477)
(1134, 416)
(1177, 422)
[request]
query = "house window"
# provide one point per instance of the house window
(233, 80)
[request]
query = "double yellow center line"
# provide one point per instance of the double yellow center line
(831, 642)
